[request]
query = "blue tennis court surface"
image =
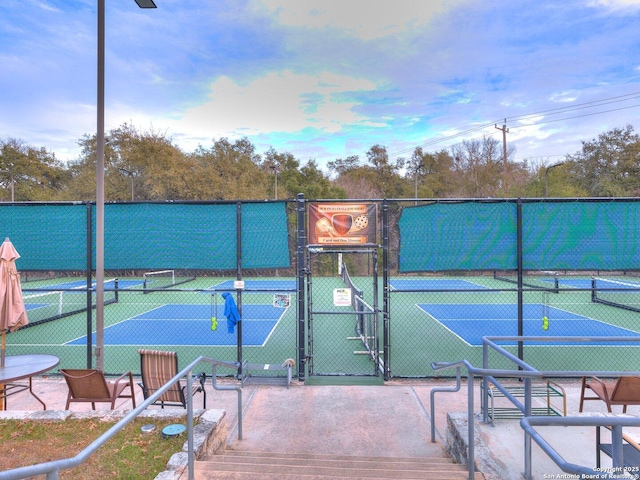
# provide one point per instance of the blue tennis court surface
(419, 284)
(257, 285)
(175, 324)
(600, 283)
(471, 322)
(573, 282)
(33, 306)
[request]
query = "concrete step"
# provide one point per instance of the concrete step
(270, 466)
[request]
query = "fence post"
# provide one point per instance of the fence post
(386, 331)
(239, 277)
(300, 261)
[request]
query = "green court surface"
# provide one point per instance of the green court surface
(431, 320)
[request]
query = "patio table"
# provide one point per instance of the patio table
(20, 367)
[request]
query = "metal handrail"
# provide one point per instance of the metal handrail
(527, 373)
(237, 388)
(616, 423)
(52, 468)
(433, 400)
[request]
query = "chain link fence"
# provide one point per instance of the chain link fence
(435, 278)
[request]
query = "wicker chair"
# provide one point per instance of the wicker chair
(157, 368)
(91, 386)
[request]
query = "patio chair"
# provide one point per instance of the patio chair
(623, 391)
(157, 368)
(90, 386)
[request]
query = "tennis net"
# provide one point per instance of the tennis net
(52, 304)
(615, 293)
(366, 323)
(355, 291)
(547, 281)
(163, 279)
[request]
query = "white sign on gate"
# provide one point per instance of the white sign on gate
(342, 297)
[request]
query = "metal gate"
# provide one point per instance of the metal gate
(342, 313)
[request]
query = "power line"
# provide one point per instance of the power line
(443, 139)
(553, 111)
(577, 116)
(579, 106)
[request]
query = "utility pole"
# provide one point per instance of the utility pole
(504, 130)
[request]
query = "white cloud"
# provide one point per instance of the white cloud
(564, 97)
(47, 7)
(529, 132)
(277, 102)
(531, 120)
(616, 4)
(364, 19)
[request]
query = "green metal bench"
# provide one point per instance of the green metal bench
(548, 390)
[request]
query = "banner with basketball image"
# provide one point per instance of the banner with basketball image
(342, 223)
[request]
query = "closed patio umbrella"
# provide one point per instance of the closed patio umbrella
(13, 314)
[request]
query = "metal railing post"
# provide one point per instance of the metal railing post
(238, 389)
(433, 401)
(190, 446)
(471, 426)
(527, 437)
(484, 394)
(617, 449)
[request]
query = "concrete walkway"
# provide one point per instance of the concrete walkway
(388, 420)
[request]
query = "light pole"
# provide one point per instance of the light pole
(275, 187)
(415, 176)
(130, 173)
(12, 183)
(100, 182)
(546, 171)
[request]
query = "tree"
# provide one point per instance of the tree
(33, 174)
(315, 184)
(146, 161)
(230, 170)
(340, 166)
(432, 173)
(356, 180)
(479, 166)
(609, 166)
(146, 165)
(388, 181)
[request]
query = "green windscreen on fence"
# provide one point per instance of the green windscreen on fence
(265, 240)
(149, 235)
(171, 235)
(195, 236)
(581, 235)
(458, 236)
(571, 235)
(47, 237)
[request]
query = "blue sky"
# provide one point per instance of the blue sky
(324, 79)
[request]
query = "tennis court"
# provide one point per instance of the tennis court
(422, 284)
(189, 325)
(471, 322)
